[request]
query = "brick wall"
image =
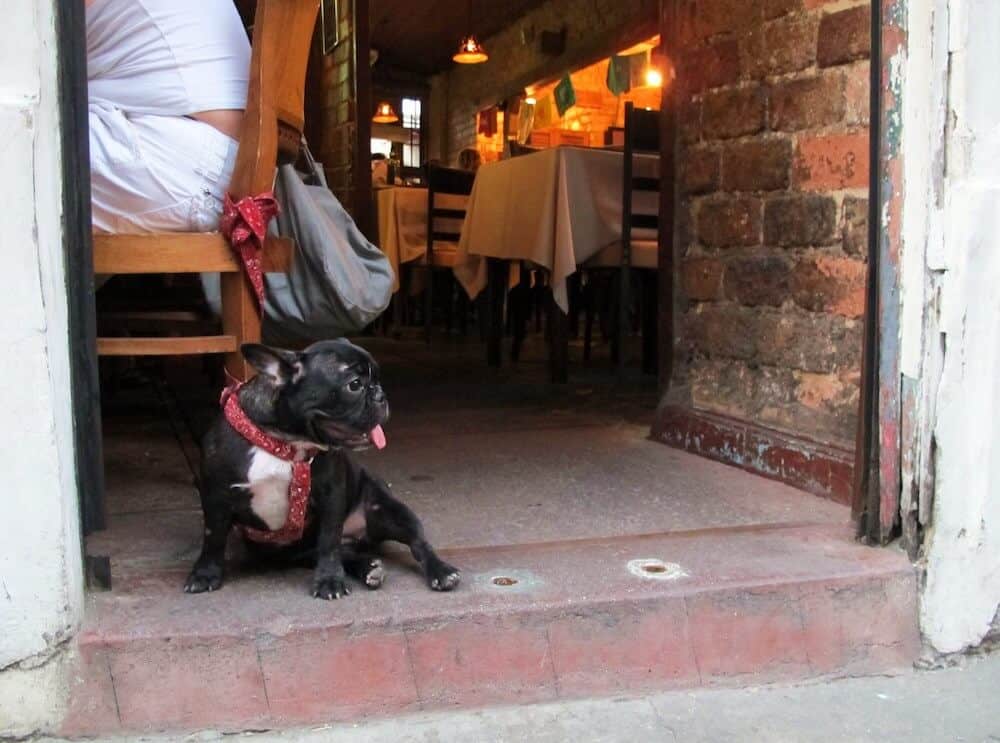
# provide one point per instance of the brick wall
(340, 112)
(594, 29)
(773, 159)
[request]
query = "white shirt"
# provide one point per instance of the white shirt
(167, 57)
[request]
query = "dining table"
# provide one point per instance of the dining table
(553, 209)
(401, 214)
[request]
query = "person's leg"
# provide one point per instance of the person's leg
(156, 173)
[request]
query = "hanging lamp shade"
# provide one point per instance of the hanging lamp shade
(385, 114)
(470, 51)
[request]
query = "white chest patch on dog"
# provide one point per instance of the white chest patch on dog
(268, 480)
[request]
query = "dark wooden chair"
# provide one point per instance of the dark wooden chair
(448, 193)
(272, 133)
(642, 136)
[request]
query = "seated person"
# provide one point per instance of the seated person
(469, 159)
(168, 86)
(380, 169)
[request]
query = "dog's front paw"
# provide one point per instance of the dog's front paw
(443, 577)
(204, 578)
(375, 574)
(330, 588)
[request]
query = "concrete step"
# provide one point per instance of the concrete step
(530, 622)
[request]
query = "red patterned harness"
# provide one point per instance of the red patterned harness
(298, 488)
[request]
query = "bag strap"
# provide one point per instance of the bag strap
(314, 169)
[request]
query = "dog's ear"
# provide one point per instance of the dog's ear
(281, 365)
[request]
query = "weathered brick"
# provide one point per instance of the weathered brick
(807, 102)
(689, 120)
(830, 284)
(758, 280)
(702, 278)
(777, 8)
(822, 406)
(725, 16)
(709, 66)
(858, 94)
(844, 36)
(779, 47)
(724, 223)
(757, 165)
(800, 220)
(856, 226)
(807, 341)
(733, 113)
(829, 162)
(700, 171)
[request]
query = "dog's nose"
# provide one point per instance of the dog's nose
(377, 394)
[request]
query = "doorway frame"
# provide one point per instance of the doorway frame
(875, 487)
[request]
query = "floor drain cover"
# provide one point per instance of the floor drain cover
(504, 580)
(654, 569)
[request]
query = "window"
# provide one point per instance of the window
(411, 155)
(383, 146)
(411, 113)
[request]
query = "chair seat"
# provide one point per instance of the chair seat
(180, 252)
(645, 254)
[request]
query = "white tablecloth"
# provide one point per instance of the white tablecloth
(554, 208)
(402, 225)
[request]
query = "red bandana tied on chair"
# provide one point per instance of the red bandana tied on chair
(244, 225)
(298, 489)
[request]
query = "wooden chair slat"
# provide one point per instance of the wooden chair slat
(180, 346)
(448, 213)
(180, 252)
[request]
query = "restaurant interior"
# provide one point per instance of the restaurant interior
(505, 158)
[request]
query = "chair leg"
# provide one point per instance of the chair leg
(520, 303)
(650, 322)
(240, 319)
(428, 304)
(624, 315)
(589, 300)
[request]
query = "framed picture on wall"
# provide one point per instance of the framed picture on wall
(329, 17)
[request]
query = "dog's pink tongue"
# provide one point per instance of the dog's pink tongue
(377, 436)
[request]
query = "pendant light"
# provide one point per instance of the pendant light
(385, 114)
(470, 51)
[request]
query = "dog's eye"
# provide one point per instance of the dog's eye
(355, 385)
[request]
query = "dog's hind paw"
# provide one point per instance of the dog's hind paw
(446, 581)
(330, 588)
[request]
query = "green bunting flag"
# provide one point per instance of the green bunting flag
(565, 95)
(619, 75)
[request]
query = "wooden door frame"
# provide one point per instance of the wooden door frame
(876, 461)
(70, 19)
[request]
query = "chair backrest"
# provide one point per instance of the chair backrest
(454, 186)
(275, 114)
(642, 136)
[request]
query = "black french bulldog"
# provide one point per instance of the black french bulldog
(322, 403)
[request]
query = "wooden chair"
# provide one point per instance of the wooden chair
(448, 193)
(642, 136)
(272, 133)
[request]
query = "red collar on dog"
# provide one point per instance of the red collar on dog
(298, 488)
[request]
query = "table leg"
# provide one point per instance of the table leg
(558, 342)
(496, 288)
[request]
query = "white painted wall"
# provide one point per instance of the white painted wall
(41, 592)
(951, 291)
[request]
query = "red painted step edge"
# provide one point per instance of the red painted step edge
(729, 634)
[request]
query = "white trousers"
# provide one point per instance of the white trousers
(156, 173)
